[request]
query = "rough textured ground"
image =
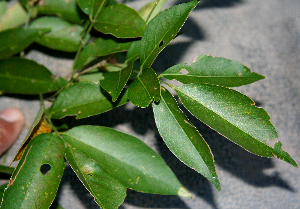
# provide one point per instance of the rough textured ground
(265, 36)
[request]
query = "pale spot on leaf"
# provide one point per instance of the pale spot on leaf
(184, 72)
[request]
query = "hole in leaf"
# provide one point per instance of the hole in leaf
(184, 72)
(45, 168)
(161, 43)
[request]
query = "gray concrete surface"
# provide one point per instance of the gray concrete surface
(265, 36)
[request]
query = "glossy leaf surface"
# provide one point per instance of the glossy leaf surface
(182, 138)
(150, 10)
(21, 76)
(101, 47)
(114, 82)
(63, 35)
(66, 9)
(161, 30)
(212, 70)
(125, 158)
(108, 192)
(233, 115)
(126, 22)
(37, 176)
(15, 40)
(144, 88)
(83, 99)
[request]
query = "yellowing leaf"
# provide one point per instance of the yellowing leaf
(38, 127)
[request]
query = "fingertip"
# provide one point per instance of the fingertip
(12, 115)
(11, 123)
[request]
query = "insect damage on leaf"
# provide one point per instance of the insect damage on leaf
(42, 127)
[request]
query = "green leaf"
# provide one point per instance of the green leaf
(95, 77)
(63, 36)
(133, 52)
(37, 176)
(108, 192)
(6, 169)
(126, 22)
(114, 82)
(233, 115)
(2, 188)
(212, 70)
(21, 76)
(67, 9)
(144, 88)
(101, 47)
(14, 16)
(161, 30)
(34, 126)
(182, 138)
(125, 158)
(89, 7)
(152, 9)
(83, 99)
(2, 8)
(15, 40)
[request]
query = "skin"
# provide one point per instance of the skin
(11, 124)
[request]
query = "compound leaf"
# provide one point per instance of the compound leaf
(22, 76)
(161, 30)
(83, 99)
(37, 176)
(233, 115)
(108, 192)
(212, 70)
(126, 22)
(126, 158)
(182, 138)
(15, 40)
(144, 88)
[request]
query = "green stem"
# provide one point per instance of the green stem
(47, 115)
(156, 3)
(27, 20)
(170, 85)
(88, 30)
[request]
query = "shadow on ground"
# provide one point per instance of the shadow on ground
(240, 163)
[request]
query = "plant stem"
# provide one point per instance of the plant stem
(170, 85)
(88, 30)
(27, 20)
(47, 117)
(156, 3)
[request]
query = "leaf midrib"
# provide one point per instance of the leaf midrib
(221, 117)
(184, 133)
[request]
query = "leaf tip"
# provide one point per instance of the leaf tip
(283, 155)
(183, 192)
